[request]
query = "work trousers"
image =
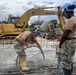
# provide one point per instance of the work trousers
(67, 53)
(19, 48)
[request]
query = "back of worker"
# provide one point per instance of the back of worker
(26, 35)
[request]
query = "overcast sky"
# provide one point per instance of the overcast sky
(19, 7)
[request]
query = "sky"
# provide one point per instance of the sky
(19, 7)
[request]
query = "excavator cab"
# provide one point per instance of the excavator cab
(8, 28)
(14, 19)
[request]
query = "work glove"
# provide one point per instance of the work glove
(58, 50)
(29, 45)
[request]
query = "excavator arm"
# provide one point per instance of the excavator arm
(39, 11)
(60, 17)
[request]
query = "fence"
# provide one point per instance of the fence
(8, 42)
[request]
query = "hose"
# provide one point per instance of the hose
(17, 63)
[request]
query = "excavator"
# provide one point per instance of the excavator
(16, 25)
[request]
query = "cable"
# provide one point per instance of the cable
(17, 60)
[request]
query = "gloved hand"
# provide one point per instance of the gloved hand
(58, 50)
(29, 45)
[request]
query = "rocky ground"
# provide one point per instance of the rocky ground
(35, 61)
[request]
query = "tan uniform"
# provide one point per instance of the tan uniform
(69, 46)
(19, 46)
(71, 25)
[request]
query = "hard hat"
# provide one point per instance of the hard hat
(37, 31)
(70, 9)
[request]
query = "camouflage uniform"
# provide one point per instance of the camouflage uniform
(67, 53)
(19, 47)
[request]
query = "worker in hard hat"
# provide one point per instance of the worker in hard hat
(67, 44)
(26, 38)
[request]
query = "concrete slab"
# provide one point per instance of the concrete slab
(34, 58)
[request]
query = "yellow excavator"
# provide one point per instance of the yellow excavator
(16, 25)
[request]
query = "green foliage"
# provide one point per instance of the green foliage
(27, 26)
(60, 30)
(28, 29)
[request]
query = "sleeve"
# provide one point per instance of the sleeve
(69, 25)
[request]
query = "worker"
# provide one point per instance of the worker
(26, 38)
(51, 29)
(67, 45)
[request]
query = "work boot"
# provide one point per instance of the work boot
(23, 65)
(67, 72)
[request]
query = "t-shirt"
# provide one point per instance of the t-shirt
(26, 35)
(71, 25)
